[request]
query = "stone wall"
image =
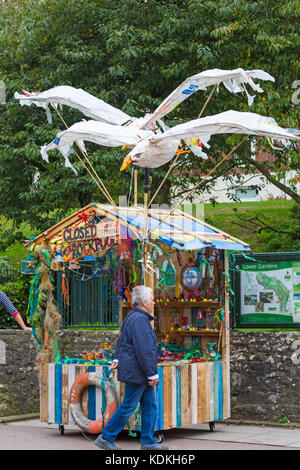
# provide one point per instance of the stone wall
(265, 371)
(19, 389)
(265, 375)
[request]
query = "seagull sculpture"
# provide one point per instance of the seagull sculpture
(151, 150)
(153, 144)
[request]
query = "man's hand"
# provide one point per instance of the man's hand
(114, 365)
(153, 383)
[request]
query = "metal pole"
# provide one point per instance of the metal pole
(135, 184)
(146, 191)
(148, 277)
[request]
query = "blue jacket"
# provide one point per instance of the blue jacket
(136, 349)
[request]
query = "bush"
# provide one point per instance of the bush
(7, 272)
(18, 292)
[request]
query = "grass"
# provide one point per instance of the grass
(224, 217)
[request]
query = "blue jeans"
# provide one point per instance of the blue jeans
(134, 394)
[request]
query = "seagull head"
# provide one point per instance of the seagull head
(136, 153)
(126, 162)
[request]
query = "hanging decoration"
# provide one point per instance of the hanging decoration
(65, 289)
(29, 264)
(191, 278)
(168, 273)
(42, 310)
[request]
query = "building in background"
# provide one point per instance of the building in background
(252, 186)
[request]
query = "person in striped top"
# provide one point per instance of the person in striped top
(9, 306)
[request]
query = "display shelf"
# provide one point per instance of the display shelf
(198, 333)
(178, 303)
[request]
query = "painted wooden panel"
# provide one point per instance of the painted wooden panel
(188, 393)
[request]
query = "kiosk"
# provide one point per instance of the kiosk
(185, 261)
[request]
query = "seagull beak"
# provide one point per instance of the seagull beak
(28, 94)
(126, 163)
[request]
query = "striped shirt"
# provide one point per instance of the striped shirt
(7, 304)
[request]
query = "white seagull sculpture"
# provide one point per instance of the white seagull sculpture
(154, 144)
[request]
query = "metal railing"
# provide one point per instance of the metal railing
(91, 300)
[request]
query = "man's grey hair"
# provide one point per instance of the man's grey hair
(141, 294)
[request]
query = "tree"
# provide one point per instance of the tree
(132, 54)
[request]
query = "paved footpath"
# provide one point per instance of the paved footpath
(34, 435)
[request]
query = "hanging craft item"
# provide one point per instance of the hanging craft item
(43, 313)
(56, 261)
(169, 276)
(29, 264)
(198, 259)
(74, 264)
(124, 249)
(168, 273)
(99, 267)
(155, 254)
(58, 258)
(209, 266)
(179, 258)
(89, 258)
(146, 264)
(65, 289)
(132, 275)
(202, 267)
(128, 297)
(190, 278)
(84, 216)
(217, 274)
(177, 286)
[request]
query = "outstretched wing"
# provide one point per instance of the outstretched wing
(77, 98)
(159, 149)
(229, 122)
(234, 80)
(94, 131)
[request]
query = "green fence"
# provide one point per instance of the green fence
(91, 300)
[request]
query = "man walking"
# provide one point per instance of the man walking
(136, 360)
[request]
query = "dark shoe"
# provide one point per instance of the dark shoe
(153, 446)
(106, 445)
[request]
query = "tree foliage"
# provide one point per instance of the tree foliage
(132, 54)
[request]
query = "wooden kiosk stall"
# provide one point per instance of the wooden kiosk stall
(186, 262)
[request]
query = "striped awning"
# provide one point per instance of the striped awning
(178, 230)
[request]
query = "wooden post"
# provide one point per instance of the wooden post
(146, 191)
(148, 276)
(226, 344)
(43, 278)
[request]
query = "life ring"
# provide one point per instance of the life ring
(80, 384)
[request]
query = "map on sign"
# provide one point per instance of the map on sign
(270, 292)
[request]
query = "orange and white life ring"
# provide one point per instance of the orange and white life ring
(81, 383)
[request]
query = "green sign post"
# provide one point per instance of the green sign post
(267, 290)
